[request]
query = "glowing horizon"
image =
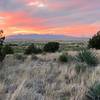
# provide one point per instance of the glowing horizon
(68, 17)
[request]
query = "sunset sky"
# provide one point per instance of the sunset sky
(68, 17)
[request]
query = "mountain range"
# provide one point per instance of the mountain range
(44, 37)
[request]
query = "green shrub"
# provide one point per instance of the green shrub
(80, 67)
(94, 92)
(63, 58)
(32, 49)
(94, 42)
(8, 49)
(51, 47)
(88, 57)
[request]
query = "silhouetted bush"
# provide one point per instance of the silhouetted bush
(8, 49)
(87, 56)
(2, 53)
(32, 49)
(51, 47)
(94, 42)
(63, 58)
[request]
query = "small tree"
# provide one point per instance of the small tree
(2, 38)
(51, 47)
(94, 42)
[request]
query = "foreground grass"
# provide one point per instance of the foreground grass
(43, 77)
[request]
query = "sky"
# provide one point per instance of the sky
(67, 17)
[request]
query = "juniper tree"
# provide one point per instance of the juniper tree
(2, 38)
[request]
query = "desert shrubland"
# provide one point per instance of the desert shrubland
(41, 77)
(50, 72)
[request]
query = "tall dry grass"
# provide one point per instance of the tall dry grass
(44, 78)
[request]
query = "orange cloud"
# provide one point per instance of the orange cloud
(20, 22)
(76, 30)
(16, 22)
